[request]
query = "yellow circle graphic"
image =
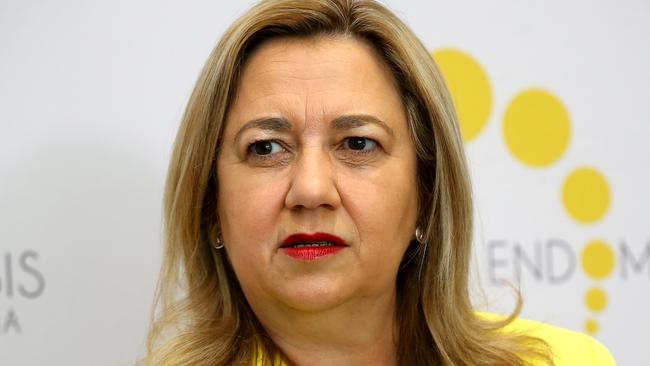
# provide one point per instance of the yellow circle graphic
(470, 90)
(598, 259)
(536, 127)
(591, 326)
(586, 195)
(596, 299)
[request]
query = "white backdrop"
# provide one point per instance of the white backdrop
(91, 95)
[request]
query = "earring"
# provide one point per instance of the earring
(219, 242)
(419, 236)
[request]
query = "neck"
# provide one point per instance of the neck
(361, 332)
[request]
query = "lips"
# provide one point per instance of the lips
(316, 238)
(310, 247)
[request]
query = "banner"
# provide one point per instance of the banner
(552, 98)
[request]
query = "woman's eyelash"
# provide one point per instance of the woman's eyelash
(360, 145)
(264, 148)
(272, 150)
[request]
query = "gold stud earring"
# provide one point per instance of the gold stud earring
(219, 242)
(419, 236)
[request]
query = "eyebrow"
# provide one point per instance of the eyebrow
(357, 120)
(270, 124)
(346, 122)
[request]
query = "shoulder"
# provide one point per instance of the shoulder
(569, 348)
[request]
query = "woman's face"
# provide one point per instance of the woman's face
(316, 151)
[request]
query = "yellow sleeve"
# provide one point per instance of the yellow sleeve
(569, 348)
(601, 355)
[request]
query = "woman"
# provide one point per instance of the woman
(318, 206)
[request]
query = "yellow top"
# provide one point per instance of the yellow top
(569, 348)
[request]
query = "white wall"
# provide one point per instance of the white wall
(91, 94)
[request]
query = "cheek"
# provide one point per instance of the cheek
(384, 208)
(249, 210)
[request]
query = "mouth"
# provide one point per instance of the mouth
(309, 247)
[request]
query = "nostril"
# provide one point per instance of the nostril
(310, 195)
(313, 183)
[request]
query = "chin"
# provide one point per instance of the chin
(313, 294)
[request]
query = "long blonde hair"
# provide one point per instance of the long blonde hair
(201, 316)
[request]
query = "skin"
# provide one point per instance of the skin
(339, 309)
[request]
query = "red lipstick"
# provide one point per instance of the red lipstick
(309, 247)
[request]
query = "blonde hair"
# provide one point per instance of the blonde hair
(202, 316)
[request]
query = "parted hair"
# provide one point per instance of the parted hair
(201, 317)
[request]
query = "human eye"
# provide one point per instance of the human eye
(267, 153)
(360, 145)
(359, 151)
(265, 148)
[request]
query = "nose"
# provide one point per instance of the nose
(313, 182)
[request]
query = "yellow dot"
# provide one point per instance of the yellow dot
(470, 90)
(597, 259)
(536, 128)
(586, 195)
(591, 326)
(596, 299)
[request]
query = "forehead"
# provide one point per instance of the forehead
(316, 57)
(330, 74)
